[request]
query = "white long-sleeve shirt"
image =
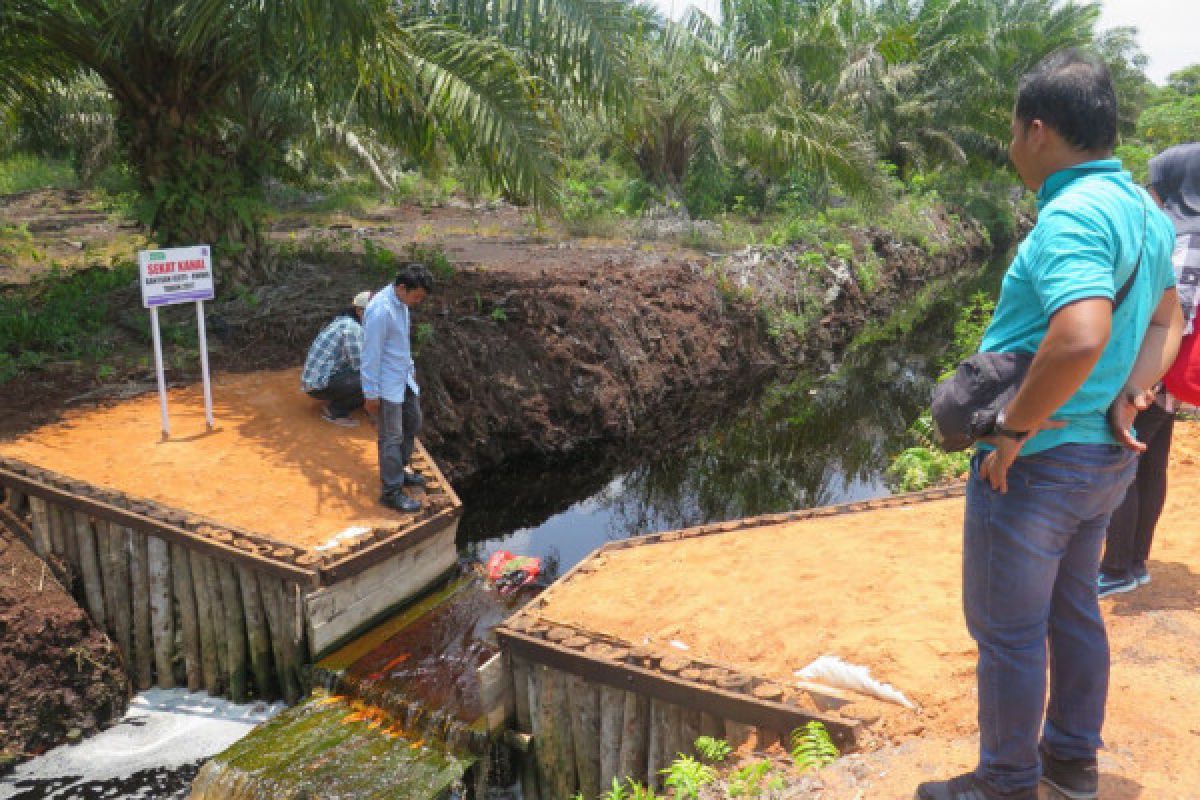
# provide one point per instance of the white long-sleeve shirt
(387, 364)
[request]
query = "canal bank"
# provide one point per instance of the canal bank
(876, 584)
(691, 311)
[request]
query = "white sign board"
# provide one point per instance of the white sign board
(175, 275)
(170, 276)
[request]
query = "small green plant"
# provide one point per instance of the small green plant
(434, 257)
(246, 296)
(812, 748)
(686, 776)
(422, 335)
(714, 750)
(615, 792)
(379, 261)
(925, 464)
(499, 314)
(755, 780)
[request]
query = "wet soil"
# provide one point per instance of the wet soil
(893, 604)
(59, 674)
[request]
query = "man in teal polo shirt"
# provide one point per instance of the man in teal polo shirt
(1061, 454)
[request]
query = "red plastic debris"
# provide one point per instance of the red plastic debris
(508, 573)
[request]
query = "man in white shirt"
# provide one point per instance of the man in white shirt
(389, 381)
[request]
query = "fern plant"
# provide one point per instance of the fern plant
(616, 792)
(812, 748)
(686, 775)
(755, 780)
(713, 750)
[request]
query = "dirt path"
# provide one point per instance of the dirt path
(882, 589)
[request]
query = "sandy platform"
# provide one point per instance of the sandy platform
(272, 466)
(882, 589)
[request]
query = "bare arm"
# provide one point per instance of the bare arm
(1153, 360)
(1074, 341)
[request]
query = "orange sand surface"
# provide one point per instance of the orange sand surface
(882, 589)
(271, 466)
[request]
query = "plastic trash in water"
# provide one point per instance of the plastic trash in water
(832, 671)
(508, 573)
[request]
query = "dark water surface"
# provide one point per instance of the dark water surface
(809, 441)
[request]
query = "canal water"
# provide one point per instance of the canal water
(797, 442)
(807, 441)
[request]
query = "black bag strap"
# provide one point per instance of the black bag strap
(1123, 292)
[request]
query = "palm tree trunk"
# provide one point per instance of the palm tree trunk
(215, 199)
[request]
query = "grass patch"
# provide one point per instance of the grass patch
(21, 172)
(60, 316)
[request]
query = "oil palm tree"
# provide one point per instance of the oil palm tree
(207, 93)
(720, 91)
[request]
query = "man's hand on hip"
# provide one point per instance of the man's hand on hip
(1121, 413)
(995, 465)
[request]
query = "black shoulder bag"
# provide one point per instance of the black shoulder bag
(966, 405)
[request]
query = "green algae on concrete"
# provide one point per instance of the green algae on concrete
(327, 748)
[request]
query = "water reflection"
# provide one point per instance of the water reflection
(795, 444)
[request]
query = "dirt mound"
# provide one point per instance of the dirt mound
(60, 677)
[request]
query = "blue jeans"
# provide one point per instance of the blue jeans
(1030, 559)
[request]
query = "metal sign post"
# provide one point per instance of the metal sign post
(169, 277)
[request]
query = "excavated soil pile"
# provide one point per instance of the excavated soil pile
(531, 347)
(882, 589)
(59, 675)
(271, 466)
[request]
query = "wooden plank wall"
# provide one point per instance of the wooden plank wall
(179, 617)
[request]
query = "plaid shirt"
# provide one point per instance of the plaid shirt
(337, 346)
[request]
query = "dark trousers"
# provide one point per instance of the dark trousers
(344, 392)
(1131, 531)
(398, 426)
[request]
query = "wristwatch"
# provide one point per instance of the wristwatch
(1000, 429)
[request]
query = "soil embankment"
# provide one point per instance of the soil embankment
(531, 347)
(60, 676)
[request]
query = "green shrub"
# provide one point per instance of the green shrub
(686, 776)
(433, 256)
(60, 316)
(21, 172)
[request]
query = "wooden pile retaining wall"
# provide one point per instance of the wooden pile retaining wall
(590, 707)
(192, 602)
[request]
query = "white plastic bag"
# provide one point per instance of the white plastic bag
(832, 671)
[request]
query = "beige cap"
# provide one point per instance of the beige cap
(361, 299)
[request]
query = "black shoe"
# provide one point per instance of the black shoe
(413, 478)
(967, 787)
(400, 502)
(1073, 778)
